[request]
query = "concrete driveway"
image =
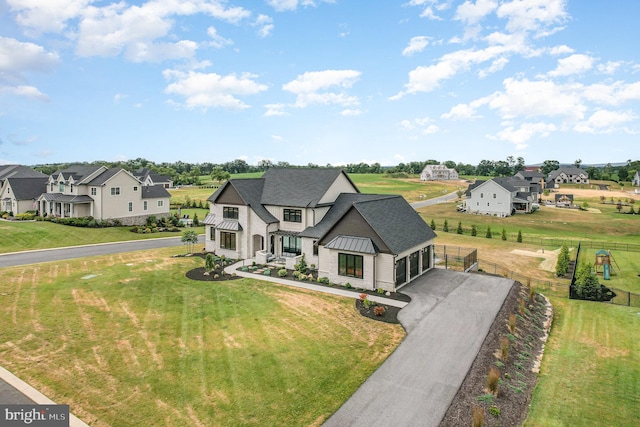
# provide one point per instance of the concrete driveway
(447, 321)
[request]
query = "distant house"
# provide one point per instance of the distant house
(438, 173)
(636, 179)
(105, 194)
(535, 177)
(370, 241)
(148, 177)
(19, 195)
(568, 175)
(501, 197)
(20, 186)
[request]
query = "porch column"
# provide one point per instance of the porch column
(70, 210)
(91, 209)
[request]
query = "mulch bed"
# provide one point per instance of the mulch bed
(198, 274)
(517, 371)
(390, 312)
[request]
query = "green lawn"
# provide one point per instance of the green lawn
(590, 373)
(29, 235)
(128, 340)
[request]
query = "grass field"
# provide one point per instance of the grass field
(27, 235)
(590, 373)
(128, 340)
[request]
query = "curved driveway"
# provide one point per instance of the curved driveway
(447, 321)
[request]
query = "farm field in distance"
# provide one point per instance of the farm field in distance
(128, 340)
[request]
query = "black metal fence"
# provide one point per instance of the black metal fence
(456, 257)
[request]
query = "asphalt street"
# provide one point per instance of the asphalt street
(59, 254)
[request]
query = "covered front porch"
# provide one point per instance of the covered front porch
(65, 205)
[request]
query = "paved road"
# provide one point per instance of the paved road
(447, 321)
(436, 200)
(58, 254)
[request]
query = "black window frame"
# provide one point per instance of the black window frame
(401, 273)
(292, 245)
(292, 215)
(351, 265)
(228, 240)
(414, 264)
(426, 258)
(230, 212)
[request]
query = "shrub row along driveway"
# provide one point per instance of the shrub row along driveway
(447, 320)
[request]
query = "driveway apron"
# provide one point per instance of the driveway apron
(446, 321)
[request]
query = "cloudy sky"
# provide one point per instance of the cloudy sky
(313, 81)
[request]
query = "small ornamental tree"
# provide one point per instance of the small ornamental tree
(474, 230)
(433, 224)
(488, 234)
(445, 228)
(459, 229)
(504, 234)
(196, 221)
(562, 264)
(587, 284)
(189, 238)
(302, 265)
(519, 236)
(619, 206)
(209, 262)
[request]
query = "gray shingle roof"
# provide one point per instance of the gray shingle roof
(79, 172)
(104, 176)
(396, 222)
(28, 188)
(66, 198)
(250, 190)
(568, 171)
(298, 187)
(19, 171)
(343, 203)
(154, 192)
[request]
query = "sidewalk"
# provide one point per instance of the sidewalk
(29, 395)
(233, 269)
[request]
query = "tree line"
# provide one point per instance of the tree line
(184, 173)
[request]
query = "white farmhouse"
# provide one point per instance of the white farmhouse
(438, 173)
(500, 197)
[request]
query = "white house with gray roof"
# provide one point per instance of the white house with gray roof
(102, 193)
(501, 196)
(636, 179)
(371, 241)
(20, 187)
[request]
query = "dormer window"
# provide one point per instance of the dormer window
(61, 187)
(71, 188)
(51, 187)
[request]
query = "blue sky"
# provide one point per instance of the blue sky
(312, 81)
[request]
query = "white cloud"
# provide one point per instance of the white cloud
(202, 90)
(525, 132)
(532, 15)
(351, 112)
(610, 67)
(49, 16)
(472, 13)
(285, 5)
(527, 98)
(574, 64)
(275, 110)
(495, 66)
(561, 50)
(217, 40)
(264, 24)
(17, 59)
(313, 87)
(604, 121)
(119, 97)
(416, 44)
(431, 129)
(461, 112)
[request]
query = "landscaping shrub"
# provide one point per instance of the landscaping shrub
(519, 239)
(493, 379)
(267, 272)
(378, 310)
(282, 272)
(323, 280)
(512, 323)
(587, 284)
(504, 234)
(433, 224)
(478, 416)
(488, 234)
(209, 262)
(504, 348)
(562, 264)
(459, 229)
(445, 228)
(494, 410)
(474, 230)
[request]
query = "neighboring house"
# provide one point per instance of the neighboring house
(19, 195)
(568, 175)
(636, 179)
(148, 177)
(102, 193)
(438, 173)
(535, 177)
(370, 241)
(501, 197)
